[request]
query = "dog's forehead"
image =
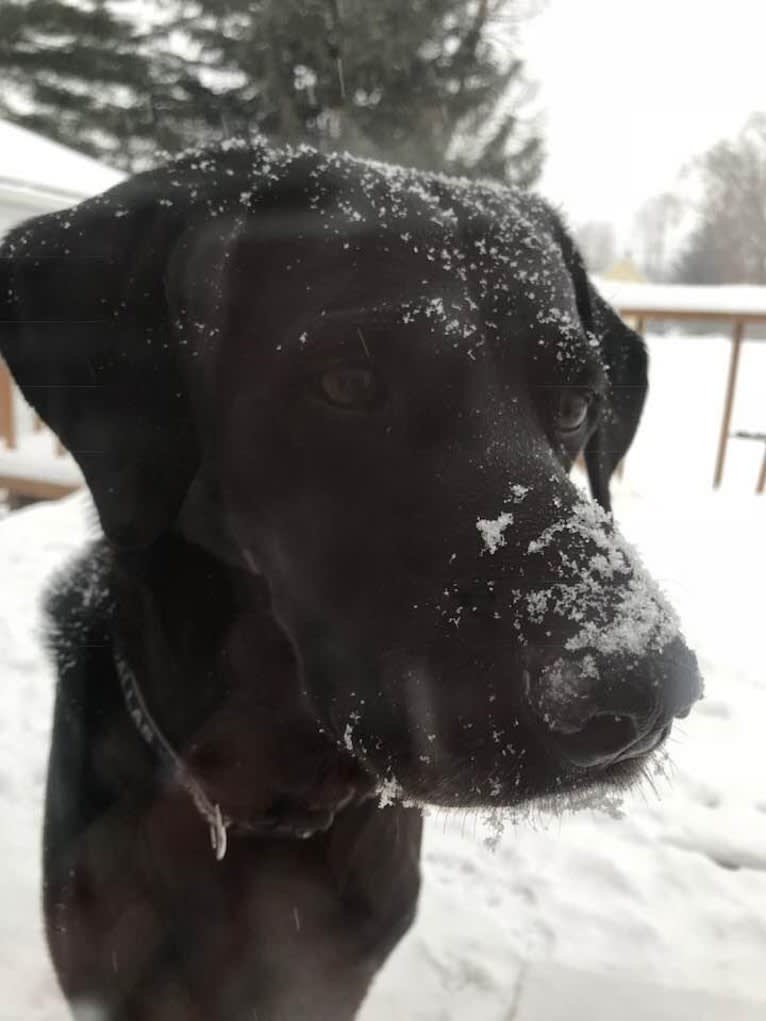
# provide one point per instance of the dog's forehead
(325, 237)
(345, 236)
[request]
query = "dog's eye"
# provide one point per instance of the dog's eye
(571, 410)
(349, 386)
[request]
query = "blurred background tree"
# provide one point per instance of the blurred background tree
(83, 74)
(428, 83)
(654, 230)
(598, 243)
(728, 243)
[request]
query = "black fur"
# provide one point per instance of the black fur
(324, 605)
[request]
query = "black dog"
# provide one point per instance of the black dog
(326, 410)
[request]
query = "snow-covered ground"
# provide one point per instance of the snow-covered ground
(673, 890)
(36, 457)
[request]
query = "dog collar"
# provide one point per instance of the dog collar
(151, 732)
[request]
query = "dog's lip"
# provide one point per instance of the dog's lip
(645, 746)
(640, 751)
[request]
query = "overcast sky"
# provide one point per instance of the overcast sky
(631, 90)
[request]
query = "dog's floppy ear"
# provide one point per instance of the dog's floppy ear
(626, 362)
(85, 329)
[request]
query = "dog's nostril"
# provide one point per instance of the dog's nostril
(568, 698)
(562, 694)
(593, 711)
(604, 738)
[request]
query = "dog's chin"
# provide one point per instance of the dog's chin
(567, 788)
(590, 787)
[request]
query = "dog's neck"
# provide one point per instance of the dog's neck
(211, 683)
(152, 734)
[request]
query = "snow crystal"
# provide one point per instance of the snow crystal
(643, 620)
(389, 791)
(348, 733)
(638, 619)
(492, 531)
(348, 738)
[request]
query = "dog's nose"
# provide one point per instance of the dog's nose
(595, 711)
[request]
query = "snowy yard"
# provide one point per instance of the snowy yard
(672, 890)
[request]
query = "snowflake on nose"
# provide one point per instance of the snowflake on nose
(491, 531)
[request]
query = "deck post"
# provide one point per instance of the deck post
(736, 344)
(7, 422)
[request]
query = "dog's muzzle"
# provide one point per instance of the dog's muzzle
(593, 712)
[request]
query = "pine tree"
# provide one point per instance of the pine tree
(74, 72)
(422, 83)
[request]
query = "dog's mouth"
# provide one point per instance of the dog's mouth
(606, 742)
(607, 784)
(539, 778)
(457, 739)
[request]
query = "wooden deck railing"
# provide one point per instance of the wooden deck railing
(737, 321)
(7, 417)
(17, 476)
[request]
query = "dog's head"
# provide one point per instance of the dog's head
(368, 386)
